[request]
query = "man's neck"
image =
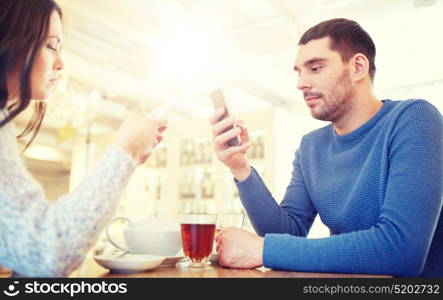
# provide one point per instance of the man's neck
(360, 111)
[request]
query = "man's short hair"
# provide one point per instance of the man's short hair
(347, 38)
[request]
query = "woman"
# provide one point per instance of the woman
(37, 238)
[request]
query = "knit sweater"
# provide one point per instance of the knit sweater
(42, 239)
(378, 189)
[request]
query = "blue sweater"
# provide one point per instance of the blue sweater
(378, 189)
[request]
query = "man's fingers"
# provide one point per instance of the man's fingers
(218, 242)
(240, 123)
(228, 152)
(244, 136)
(215, 117)
(221, 126)
(225, 137)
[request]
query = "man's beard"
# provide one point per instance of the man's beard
(332, 107)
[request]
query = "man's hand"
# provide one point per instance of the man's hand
(239, 249)
(233, 157)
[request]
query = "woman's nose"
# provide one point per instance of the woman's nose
(59, 64)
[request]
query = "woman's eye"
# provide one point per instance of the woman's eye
(52, 48)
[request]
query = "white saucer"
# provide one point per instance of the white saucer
(170, 261)
(129, 263)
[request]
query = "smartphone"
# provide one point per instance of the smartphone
(218, 100)
(161, 111)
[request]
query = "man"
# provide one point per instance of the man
(374, 174)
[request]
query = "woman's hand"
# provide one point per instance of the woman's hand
(139, 135)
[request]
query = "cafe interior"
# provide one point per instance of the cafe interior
(148, 56)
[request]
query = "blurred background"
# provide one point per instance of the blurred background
(123, 56)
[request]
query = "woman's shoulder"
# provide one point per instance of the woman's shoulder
(8, 133)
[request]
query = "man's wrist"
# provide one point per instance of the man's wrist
(261, 250)
(243, 173)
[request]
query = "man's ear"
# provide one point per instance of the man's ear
(359, 66)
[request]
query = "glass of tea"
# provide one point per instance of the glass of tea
(227, 219)
(198, 232)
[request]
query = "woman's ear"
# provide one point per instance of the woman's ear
(359, 67)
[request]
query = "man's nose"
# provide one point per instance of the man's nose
(303, 83)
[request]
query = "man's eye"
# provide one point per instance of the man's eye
(316, 69)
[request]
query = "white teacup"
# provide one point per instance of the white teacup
(155, 236)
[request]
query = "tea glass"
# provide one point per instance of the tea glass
(198, 232)
(225, 220)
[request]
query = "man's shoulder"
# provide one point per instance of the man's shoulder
(418, 105)
(414, 109)
(397, 111)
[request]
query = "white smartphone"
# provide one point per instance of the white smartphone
(161, 111)
(218, 100)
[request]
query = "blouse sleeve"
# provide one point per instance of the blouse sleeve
(43, 239)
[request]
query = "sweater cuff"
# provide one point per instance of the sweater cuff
(121, 156)
(248, 186)
(283, 251)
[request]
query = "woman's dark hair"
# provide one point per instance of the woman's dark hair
(347, 38)
(24, 26)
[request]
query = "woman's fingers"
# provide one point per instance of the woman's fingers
(143, 158)
(160, 122)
